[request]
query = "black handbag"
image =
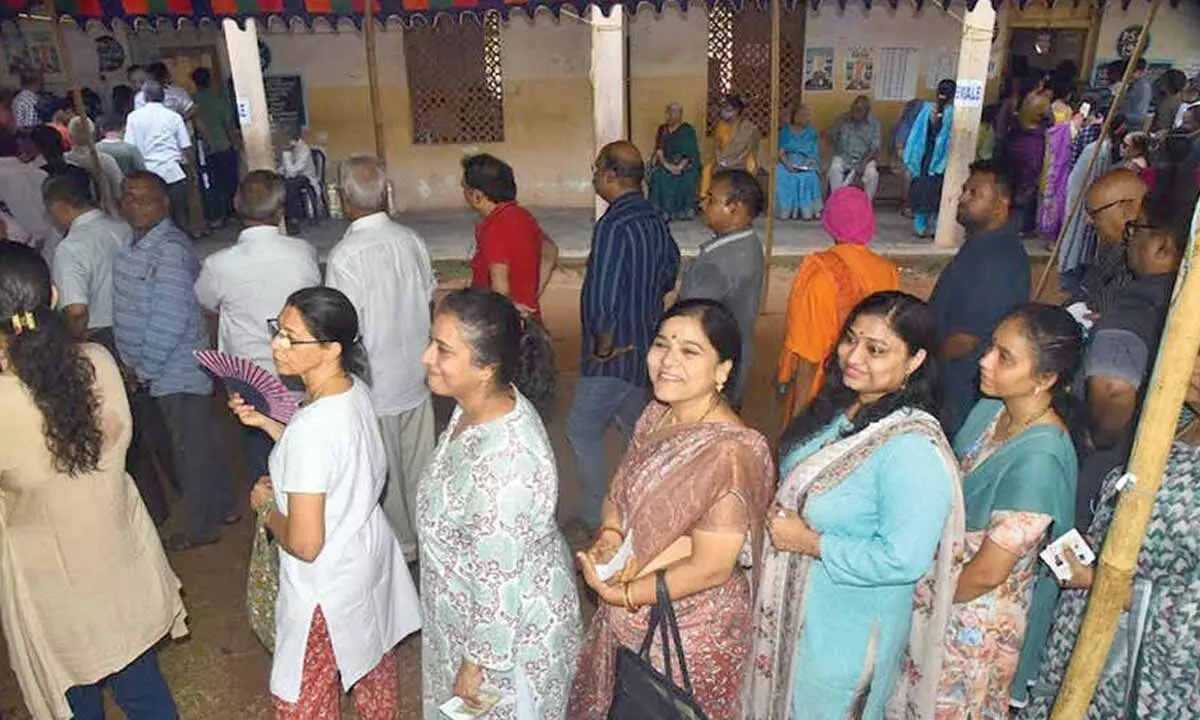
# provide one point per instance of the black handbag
(640, 691)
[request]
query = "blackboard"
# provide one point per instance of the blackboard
(285, 101)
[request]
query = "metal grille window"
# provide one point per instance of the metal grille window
(739, 59)
(455, 82)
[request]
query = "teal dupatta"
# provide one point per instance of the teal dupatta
(1032, 472)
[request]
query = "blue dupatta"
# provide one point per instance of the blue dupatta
(915, 148)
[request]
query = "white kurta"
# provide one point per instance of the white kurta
(359, 579)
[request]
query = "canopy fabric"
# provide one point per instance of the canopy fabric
(407, 11)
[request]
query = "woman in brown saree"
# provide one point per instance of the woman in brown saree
(689, 497)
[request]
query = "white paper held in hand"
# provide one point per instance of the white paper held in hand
(1055, 554)
(456, 709)
(618, 561)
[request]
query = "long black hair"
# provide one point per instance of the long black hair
(518, 348)
(48, 361)
(916, 325)
(1058, 345)
(330, 317)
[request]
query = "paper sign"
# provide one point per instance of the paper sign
(969, 94)
(243, 109)
(1055, 554)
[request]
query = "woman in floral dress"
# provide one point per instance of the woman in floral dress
(498, 597)
(1019, 467)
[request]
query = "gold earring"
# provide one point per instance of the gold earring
(720, 386)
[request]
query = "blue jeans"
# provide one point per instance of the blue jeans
(139, 689)
(597, 402)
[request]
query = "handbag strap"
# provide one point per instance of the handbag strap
(667, 608)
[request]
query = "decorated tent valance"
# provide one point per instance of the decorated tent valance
(408, 12)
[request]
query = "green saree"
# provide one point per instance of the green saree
(673, 194)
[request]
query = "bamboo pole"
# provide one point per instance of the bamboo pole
(64, 56)
(373, 78)
(773, 140)
(1104, 130)
(1155, 433)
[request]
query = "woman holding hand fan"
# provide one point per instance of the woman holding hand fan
(342, 576)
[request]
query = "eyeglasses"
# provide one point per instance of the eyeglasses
(1093, 212)
(1131, 229)
(277, 332)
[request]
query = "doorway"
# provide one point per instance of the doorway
(1043, 49)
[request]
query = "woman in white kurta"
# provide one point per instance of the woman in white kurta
(498, 589)
(345, 594)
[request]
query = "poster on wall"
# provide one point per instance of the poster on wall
(42, 53)
(860, 68)
(898, 69)
(818, 68)
(943, 63)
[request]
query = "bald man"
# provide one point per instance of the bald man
(1113, 200)
(631, 268)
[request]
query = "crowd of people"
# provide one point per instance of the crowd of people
(879, 560)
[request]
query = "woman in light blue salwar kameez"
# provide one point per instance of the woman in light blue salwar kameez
(856, 589)
(925, 157)
(798, 180)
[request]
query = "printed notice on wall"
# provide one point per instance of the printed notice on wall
(943, 64)
(897, 73)
(243, 109)
(860, 68)
(968, 94)
(818, 68)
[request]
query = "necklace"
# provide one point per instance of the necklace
(662, 421)
(1014, 430)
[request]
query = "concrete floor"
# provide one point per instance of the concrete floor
(449, 234)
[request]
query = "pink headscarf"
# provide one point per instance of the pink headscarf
(849, 216)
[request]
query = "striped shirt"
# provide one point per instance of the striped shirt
(632, 266)
(25, 109)
(156, 317)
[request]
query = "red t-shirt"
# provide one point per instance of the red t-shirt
(510, 236)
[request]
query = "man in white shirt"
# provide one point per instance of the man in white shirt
(83, 135)
(21, 197)
(162, 138)
(384, 268)
(174, 97)
(249, 283)
(83, 261)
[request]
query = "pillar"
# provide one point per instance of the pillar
(973, 57)
(608, 76)
(253, 117)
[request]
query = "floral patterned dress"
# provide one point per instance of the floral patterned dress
(985, 635)
(497, 584)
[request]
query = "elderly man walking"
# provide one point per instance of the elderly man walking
(247, 285)
(158, 325)
(384, 269)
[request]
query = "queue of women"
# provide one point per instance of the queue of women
(887, 571)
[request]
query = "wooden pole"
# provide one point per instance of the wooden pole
(64, 56)
(773, 139)
(373, 79)
(254, 117)
(1155, 433)
(1104, 130)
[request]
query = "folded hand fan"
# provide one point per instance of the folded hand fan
(259, 388)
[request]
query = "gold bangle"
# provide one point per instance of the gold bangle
(609, 528)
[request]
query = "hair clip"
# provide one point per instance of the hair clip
(22, 322)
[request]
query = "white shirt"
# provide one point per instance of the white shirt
(109, 169)
(333, 447)
(162, 137)
(83, 265)
(249, 283)
(1182, 110)
(13, 230)
(21, 191)
(384, 268)
(297, 161)
(175, 98)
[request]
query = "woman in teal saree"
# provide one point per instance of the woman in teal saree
(1019, 467)
(675, 167)
(798, 180)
